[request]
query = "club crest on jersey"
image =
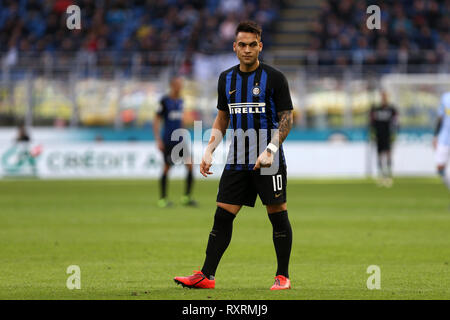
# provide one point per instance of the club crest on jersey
(256, 91)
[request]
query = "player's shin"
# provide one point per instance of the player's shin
(389, 166)
(163, 185)
(219, 239)
(444, 178)
(380, 165)
(282, 240)
(189, 180)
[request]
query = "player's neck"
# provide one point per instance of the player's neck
(246, 68)
(174, 95)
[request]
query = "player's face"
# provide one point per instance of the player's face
(247, 47)
(177, 85)
(384, 98)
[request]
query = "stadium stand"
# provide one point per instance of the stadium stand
(416, 30)
(117, 65)
(114, 32)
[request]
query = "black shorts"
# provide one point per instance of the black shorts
(241, 187)
(383, 143)
(182, 156)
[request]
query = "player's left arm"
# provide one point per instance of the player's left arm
(395, 126)
(285, 122)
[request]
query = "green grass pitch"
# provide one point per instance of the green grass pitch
(127, 248)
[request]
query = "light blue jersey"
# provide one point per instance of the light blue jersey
(444, 112)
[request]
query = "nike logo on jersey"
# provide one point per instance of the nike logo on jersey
(277, 195)
(231, 92)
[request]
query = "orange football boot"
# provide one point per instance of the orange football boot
(281, 283)
(197, 281)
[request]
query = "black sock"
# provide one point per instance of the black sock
(163, 182)
(282, 240)
(189, 180)
(219, 239)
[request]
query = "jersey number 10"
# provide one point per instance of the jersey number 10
(277, 182)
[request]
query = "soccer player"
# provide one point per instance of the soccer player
(252, 97)
(171, 113)
(383, 126)
(441, 141)
(22, 135)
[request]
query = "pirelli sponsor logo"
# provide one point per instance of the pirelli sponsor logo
(247, 107)
(175, 115)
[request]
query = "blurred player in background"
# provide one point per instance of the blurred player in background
(171, 113)
(441, 141)
(22, 134)
(27, 155)
(252, 97)
(383, 127)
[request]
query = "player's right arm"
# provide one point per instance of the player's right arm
(371, 124)
(440, 119)
(157, 126)
(219, 128)
(218, 132)
(436, 131)
(157, 132)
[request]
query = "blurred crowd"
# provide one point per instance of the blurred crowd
(125, 26)
(416, 28)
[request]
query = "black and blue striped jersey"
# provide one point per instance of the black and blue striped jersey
(252, 100)
(171, 110)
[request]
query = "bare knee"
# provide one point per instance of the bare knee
(273, 208)
(232, 208)
(166, 168)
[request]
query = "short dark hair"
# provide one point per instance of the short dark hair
(249, 26)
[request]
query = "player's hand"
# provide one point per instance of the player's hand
(434, 143)
(206, 164)
(265, 160)
(161, 145)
